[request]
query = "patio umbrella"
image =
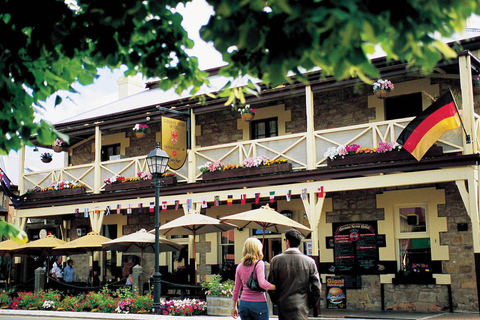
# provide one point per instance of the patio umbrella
(140, 241)
(194, 224)
(266, 218)
(6, 250)
(89, 243)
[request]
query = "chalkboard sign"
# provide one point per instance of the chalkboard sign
(355, 247)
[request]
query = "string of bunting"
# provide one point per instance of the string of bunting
(204, 202)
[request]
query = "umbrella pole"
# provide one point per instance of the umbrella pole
(263, 239)
(141, 257)
(9, 271)
(195, 257)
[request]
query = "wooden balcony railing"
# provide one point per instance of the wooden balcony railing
(292, 147)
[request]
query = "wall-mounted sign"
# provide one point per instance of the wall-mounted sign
(355, 247)
(42, 234)
(336, 295)
(174, 141)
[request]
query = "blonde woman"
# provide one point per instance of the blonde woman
(253, 304)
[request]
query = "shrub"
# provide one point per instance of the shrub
(5, 299)
(215, 287)
(142, 303)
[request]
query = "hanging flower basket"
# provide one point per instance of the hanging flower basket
(140, 135)
(247, 117)
(46, 157)
(57, 148)
(381, 94)
(46, 160)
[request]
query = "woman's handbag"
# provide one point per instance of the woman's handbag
(252, 283)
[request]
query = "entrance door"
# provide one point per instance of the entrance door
(271, 247)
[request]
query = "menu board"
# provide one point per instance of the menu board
(355, 247)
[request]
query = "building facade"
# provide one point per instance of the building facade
(403, 234)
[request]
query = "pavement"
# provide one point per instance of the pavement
(325, 314)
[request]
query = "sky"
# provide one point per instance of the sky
(104, 90)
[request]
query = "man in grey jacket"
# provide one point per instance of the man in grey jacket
(296, 278)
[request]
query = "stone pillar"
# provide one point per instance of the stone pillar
(269, 301)
(39, 279)
(137, 279)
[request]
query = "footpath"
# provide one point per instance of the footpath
(327, 315)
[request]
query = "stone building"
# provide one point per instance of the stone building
(402, 234)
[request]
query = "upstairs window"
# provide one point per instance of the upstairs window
(264, 128)
(110, 150)
(404, 106)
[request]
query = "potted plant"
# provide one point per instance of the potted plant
(219, 295)
(140, 130)
(247, 113)
(46, 157)
(382, 88)
(476, 84)
(58, 145)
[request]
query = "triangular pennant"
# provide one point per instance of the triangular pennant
(85, 213)
(320, 192)
(97, 210)
(243, 198)
(129, 209)
(272, 196)
(289, 195)
(107, 211)
(140, 208)
(189, 204)
(177, 204)
(204, 202)
(304, 194)
(152, 207)
(217, 201)
(77, 211)
(257, 197)
(164, 205)
(229, 200)
(119, 208)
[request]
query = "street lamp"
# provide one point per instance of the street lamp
(157, 161)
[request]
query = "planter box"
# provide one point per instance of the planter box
(381, 157)
(56, 193)
(235, 173)
(139, 184)
(219, 306)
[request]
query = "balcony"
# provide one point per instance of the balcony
(294, 147)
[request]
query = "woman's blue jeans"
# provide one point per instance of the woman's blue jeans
(253, 310)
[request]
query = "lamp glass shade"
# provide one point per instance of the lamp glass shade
(157, 161)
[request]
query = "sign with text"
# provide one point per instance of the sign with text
(355, 247)
(174, 141)
(336, 295)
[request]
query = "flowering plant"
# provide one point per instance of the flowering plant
(344, 150)
(58, 185)
(186, 307)
(146, 175)
(255, 161)
(383, 85)
(123, 306)
(216, 288)
(48, 305)
(58, 143)
(46, 156)
(247, 163)
(211, 166)
(140, 128)
(247, 109)
(476, 81)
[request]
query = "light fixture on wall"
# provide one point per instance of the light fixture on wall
(81, 231)
(35, 149)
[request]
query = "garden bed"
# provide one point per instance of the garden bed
(235, 173)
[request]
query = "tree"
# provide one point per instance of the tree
(47, 45)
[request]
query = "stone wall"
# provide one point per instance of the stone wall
(360, 205)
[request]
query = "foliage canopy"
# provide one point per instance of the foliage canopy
(48, 45)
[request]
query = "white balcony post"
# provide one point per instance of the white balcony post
(465, 67)
(21, 170)
(192, 161)
(98, 158)
(311, 149)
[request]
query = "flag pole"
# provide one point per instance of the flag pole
(467, 136)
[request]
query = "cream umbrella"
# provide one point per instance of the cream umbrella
(6, 250)
(140, 241)
(266, 218)
(194, 224)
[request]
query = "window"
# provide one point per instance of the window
(412, 219)
(110, 150)
(404, 106)
(228, 246)
(264, 128)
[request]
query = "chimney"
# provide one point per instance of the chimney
(129, 85)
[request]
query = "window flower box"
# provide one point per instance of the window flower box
(399, 155)
(241, 172)
(56, 193)
(150, 183)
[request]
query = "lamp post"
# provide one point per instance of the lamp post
(157, 161)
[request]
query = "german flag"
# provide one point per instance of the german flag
(423, 131)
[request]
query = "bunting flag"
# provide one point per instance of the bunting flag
(97, 210)
(107, 211)
(272, 196)
(189, 204)
(129, 209)
(77, 212)
(423, 131)
(119, 208)
(164, 205)
(289, 195)
(177, 204)
(243, 198)
(152, 206)
(140, 208)
(320, 192)
(257, 198)
(204, 202)
(229, 200)
(217, 201)
(304, 194)
(85, 213)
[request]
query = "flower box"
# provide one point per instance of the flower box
(56, 193)
(139, 184)
(381, 157)
(235, 173)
